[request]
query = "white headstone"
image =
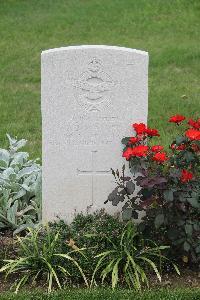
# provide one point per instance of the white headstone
(90, 97)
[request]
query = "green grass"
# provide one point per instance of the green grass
(103, 294)
(168, 29)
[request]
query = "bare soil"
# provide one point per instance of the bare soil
(187, 278)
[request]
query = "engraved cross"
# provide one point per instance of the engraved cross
(93, 173)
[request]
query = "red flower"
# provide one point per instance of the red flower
(140, 151)
(152, 132)
(127, 153)
(160, 157)
(177, 119)
(186, 176)
(193, 134)
(133, 140)
(194, 124)
(157, 148)
(140, 128)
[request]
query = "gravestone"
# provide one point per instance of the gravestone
(90, 97)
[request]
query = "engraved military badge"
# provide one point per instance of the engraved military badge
(93, 87)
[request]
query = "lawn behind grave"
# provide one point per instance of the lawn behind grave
(168, 30)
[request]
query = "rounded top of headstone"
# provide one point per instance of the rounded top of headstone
(101, 47)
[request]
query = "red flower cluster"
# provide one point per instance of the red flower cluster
(136, 145)
(193, 134)
(142, 129)
(177, 119)
(160, 157)
(127, 153)
(194, 124)
(138, 151)
(152, 132)
(157, 148)
(186, 176)
(133, 140)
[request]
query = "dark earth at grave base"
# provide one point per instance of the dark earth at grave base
(188, 279)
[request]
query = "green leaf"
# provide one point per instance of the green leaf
(169, 195)
(117, 199)
(153, 266)
(66, 256)
(186, 246)
(19, 158)
(125, 140)
(197, 249)
(28, 170)
(159, 220)
(115, 273)
(176, 269)
(189, 229)
(180, 140)
(194, 201)
(196, 226)
(130, 187)
(189, 156)
(4, 158)
(22, 282)
(21, 228)
(9, 174)
(127, 214)
(15, 144)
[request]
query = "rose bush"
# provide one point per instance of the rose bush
(169, 186)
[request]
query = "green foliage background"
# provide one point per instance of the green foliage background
(169, 30)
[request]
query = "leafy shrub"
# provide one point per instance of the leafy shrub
(89, 232)
(129, 259)
(82, 240)
(169, 186)
(53, 254)
(40, 260)
(20, 188)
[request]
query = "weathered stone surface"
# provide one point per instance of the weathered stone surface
(90, 97)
